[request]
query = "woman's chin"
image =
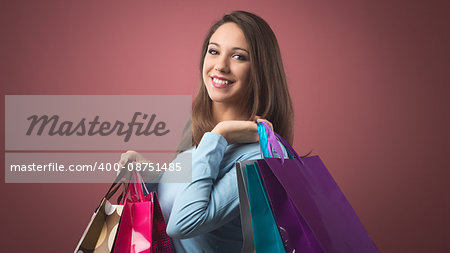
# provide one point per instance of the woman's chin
(220, 98)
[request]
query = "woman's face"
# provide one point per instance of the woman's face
(226, 67)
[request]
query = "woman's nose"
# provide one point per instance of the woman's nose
(222, 65)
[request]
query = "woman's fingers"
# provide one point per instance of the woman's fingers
(123, 159)
(259, 119)
(127, 157)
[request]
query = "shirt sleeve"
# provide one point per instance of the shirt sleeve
(206, 204)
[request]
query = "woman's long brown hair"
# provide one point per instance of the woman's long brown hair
(267, 90)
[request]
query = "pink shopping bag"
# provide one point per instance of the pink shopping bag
(142, 227)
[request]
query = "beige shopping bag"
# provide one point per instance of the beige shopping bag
(101, 231)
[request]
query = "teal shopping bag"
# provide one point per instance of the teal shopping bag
(265, 231)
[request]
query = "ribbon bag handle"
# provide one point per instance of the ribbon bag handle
(269, 139)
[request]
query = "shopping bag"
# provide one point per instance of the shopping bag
(282, 208)
(265, 231)
(294, 231)
(101, 231)
(161, 241)
(142, 227)
(244, 207)
(320, 206)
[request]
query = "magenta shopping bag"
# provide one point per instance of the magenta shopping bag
(313, 212)
(161, 241)
(142, 227)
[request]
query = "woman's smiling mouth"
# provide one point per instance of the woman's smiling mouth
(220, 82)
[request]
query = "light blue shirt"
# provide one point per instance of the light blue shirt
(203, 215)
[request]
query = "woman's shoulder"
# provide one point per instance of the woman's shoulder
(243, 151)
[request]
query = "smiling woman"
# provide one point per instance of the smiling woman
(226, 67)
(242, 82)
(242, 75)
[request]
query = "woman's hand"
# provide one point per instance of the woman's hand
(134, 157)
(239, 131)
(131, 156)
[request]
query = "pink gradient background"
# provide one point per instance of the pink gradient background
(369, 82)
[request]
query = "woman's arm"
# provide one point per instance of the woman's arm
(206, 204)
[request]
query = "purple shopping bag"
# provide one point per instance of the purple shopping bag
(295, 232)
(306, 200)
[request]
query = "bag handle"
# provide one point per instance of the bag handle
(289, 148)
(137, 187)
(134, 189)
(263, 142)
(143, 183)
(267, 141)
(271, 138)
(115, 186)
(112, 189)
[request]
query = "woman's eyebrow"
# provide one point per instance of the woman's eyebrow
(234, 48)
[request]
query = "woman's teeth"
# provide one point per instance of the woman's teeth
(219, 81)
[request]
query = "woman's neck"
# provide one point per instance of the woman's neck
(222, 112)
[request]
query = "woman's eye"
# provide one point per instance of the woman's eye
(212, 51)
(239, 57)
